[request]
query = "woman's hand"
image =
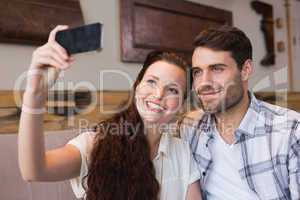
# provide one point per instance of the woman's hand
(47, 62)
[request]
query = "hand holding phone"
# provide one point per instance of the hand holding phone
(51, 58)
(81, 39)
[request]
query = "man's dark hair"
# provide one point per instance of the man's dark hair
(226, 38)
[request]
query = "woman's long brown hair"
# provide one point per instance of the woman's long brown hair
(120, 166)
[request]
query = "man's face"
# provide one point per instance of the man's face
(217, 80)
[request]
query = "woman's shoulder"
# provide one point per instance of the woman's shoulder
(179, 145)
(84, 140)
(89, 134)
(177, 141)
(86, 135)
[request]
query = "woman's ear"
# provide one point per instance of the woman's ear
(247, 70)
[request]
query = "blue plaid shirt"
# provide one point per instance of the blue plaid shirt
(269, 137)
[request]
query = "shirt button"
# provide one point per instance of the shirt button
(203, 173)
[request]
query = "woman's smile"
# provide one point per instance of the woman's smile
(154, 107)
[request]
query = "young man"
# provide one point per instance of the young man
(245, 149)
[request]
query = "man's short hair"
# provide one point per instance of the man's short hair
(226, 38)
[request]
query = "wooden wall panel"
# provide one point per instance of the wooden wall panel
(30, 21)
(165, 25)
(164, 35)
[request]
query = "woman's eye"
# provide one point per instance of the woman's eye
(151, 82)
(173, 90)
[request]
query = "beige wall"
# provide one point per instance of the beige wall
(16, 58)
(296, 43)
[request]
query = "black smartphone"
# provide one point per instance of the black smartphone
(81, 39)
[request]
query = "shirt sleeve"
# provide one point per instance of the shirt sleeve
(294, 163)
(194, 172)
(82, 142)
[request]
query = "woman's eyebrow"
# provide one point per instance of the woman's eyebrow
(155, 77)
(169, 84)
(172, 84)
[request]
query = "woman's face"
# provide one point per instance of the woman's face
(160, 94)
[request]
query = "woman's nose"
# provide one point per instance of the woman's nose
(159, 92)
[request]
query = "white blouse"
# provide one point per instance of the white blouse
(174, 165)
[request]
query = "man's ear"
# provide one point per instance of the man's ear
(247, 70)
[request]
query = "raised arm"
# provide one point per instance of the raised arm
(35, 163)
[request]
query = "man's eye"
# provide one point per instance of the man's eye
(196, 72)
(218, 69)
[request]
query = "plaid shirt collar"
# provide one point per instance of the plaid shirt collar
(247, 127)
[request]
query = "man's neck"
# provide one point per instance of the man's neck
(227, 122)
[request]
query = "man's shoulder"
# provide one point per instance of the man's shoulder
(192, 118)
(279, 112)
(284, 119)
(188, 123)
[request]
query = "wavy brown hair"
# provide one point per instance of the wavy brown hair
(120, 166)
(226, 38)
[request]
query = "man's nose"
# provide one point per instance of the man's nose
(206, 78)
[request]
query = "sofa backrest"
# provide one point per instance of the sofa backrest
(13, 187)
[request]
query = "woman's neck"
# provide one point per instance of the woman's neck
(153, 135)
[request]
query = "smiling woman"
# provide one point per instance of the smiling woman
(162, 79)
(107, 161)
(159, 91)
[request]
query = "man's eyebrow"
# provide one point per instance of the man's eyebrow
(218, 65)
(212, 65)
(195, 67)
